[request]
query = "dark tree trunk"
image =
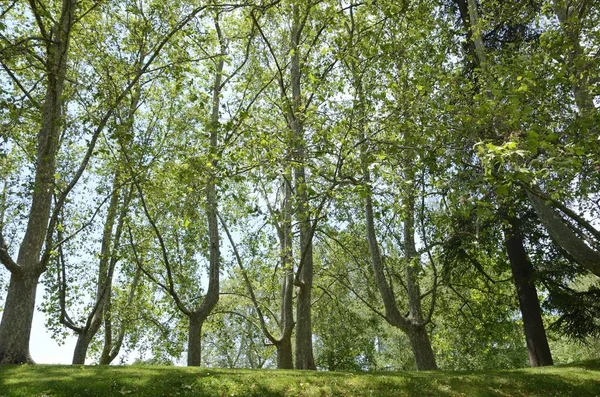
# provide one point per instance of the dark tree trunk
(421, 347)
(18, 317)
(195, 340)
(523, 276)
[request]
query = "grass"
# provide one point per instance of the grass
(581, 379)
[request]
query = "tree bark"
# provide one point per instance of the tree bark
(201, 313)
(564, 236)
(111, 348)
(81, 347)
(15, 327)
(284, 353)
(194, 355)
(413, 325)
(304, 347)
(108, 261)
(570, 15)
(284, 345)
(17, 319)
(421, 347)
(523, 276)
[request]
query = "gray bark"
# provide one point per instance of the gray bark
(15, 327)
(112, 347)
(413, 325)
(17, 319)
(304, 347)
(564, 236)
(284, 344)
(286, 323)
(108, 261)
(201, 313)
(421, 347)
(476, 33)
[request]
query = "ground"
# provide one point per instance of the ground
(582, 379)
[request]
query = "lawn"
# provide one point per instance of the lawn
(581, 379)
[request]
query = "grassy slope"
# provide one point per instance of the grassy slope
(52, 380)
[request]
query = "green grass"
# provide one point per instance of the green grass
(581, 379)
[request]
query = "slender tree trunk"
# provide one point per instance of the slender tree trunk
(417, 333)
(304, 348)
(17, 317)
(111, 348)
(284, 345)
(201, 313)
(523, 276)
(578, 66)
(105, 272)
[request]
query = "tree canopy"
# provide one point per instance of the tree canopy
(310, 184)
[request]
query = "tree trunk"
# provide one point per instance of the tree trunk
(304, 348)
(523, 276)
(571, 18)
(15, 327)
(421, 347)
(562, 235)
(111, 349)
(284, 345)
(17, 319)
(304, 353)
(284, 353)
(83, 342)
(195, 339)
(417, 333)
(201, 313)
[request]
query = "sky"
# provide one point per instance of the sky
(44, 349)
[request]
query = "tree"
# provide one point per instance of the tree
(37, 245)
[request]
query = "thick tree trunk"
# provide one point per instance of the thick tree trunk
(195, 340)
(304, 353)
(284, 353)
(17, 319)
(523, 276)
(81, 347)
(421, 347)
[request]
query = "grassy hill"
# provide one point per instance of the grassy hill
(581, 379)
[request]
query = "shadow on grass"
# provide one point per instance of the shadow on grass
(46, 380)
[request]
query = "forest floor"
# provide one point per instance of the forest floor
(581, 379)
